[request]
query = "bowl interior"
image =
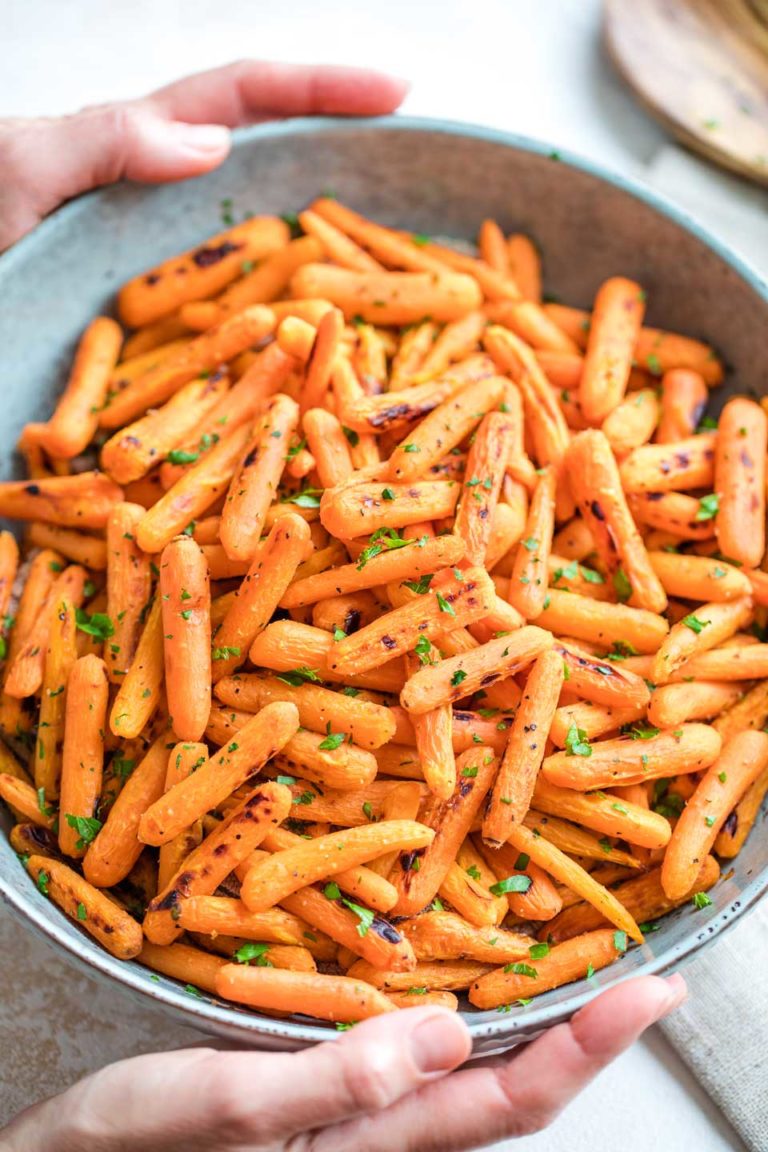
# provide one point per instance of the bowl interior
(429, 177)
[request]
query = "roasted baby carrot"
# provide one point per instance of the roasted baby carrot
(528, 580)
(185, 598)
(81, 501)
(256, 742)
(572, 960)
(741, 762)
(82, 754)
(335, 998)
(181, 760)
(514, 784)
(697, 632)
(114, 929)
(390, 297)
(254, 483)
(60, 658)
(684, 396)
(129, 585)
(76, 418)
(138, 695)
(742, 440)
(616, 321)
(690, 748)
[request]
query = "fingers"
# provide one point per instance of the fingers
(518, 1094)
(250, 90)
(178, 132)
(368, 1069)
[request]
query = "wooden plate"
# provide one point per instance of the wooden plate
(701, 68)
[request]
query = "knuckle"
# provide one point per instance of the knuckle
(367, 1082)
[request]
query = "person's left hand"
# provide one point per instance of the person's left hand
(179, 131)
(385, 1085)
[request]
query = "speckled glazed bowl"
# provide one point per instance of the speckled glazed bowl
(431, 177)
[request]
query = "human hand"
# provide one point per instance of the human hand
(179, 131)
(384, 1085)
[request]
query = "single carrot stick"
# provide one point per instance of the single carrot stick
(750, 712)
(259, 739)
(683, 399)
(82, 754)
(525, 266)
(412, 351)
(389, 297)
(193, 494)
(673, 704)
(89, 551)
(329, 446)
(528, 580)
(494, 660)
(40, 578)
(419, 873)
(201, 272)
(321, 360)
(602, 681)
(632, 422)
(265, 283)
(365, 508)
(596, 487)
(595, 719)
(388, 565)
(139, 693)
(680, 515)
(184, 759)
(742, 761)
(603, 813)
(335, 998)
(642, 896)
(514, 785)
(443, 428)
(388, 247)
(287, 645)
(742, 441)
(114, 929)
(185, 597)
(228, 845)
(25, 673)
(137, 447)
(116, 848)
(129, 586)
(338, 248)
(616, 322)
(433, 734)
(203, 354)
(148, 337)
(190, 966)
(662, 352)
(220, 915)
(75, 420)
(81, 501)
(568, 872)
(9, 564)
(486, 463)
(573, 960)
(699, 577)
(60, 657)
(255, 481)
(367, 724)
(466, 887)
(530, 322)
(25, 802)
(605, 624)
(437, 935)
(697, 632)
(456, 341)
(267, 579)
(668, 467)
(612, 763)
(269, 880)
(449, 602)
(270, 370)
(492, 246)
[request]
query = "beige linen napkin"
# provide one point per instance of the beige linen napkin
(720, 1032)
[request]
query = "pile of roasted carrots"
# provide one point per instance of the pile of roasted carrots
(381, 632)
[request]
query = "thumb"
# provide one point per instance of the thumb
(46, 162)
(369, 1068)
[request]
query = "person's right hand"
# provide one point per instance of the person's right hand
(383, 1086)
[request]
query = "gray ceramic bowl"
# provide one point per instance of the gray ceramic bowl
(431, 177)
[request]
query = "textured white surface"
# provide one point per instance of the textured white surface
(531, 66)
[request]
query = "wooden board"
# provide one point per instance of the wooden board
(701, 68)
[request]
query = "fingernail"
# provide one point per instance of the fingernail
(201, 137)
(439, 1043)
(676, 993)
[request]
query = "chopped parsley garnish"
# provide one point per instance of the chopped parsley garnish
(708, 507)
(576, 742)
(511, 884)
(98, 624)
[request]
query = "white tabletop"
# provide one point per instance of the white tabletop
(531, 66)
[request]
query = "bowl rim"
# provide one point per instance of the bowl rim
(230, 1020)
